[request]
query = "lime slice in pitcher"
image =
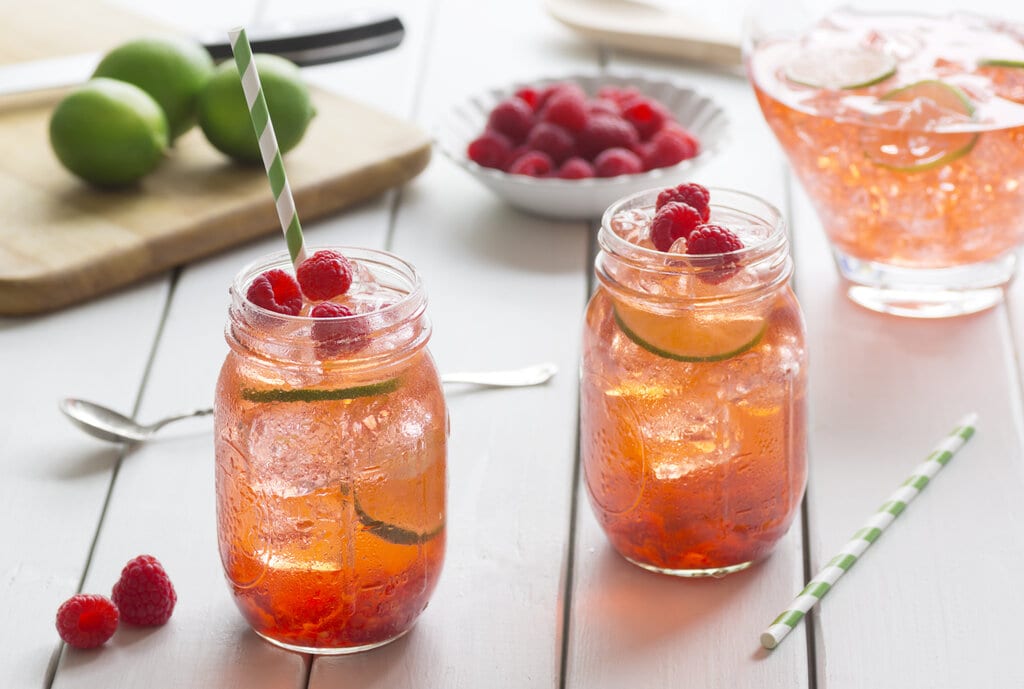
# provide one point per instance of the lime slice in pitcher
(840, 68)
(1006, 77)
(911, 147)
(687, 337)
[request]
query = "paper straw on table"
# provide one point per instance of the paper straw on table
(269, 149)
(869, 533)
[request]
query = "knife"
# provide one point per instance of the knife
(310, 42)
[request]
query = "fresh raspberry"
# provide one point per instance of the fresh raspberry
(617, 161)
(618, 95)
(670, 146)
(551, 139)
(673, 221)
(86, 621)
(324, 275)
(276, 290)
(576, 168)
(337, 337)
(566, 108)
(144, 593)
(646, 116)
(490, 149)
(713, 239)
(512, 117)
(532, 163)
(545, 94)
(529, 96)
(603, 132)
(603, 106)
(517, 153)
(690, 193)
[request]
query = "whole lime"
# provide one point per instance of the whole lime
(109, 133)
(224, 115)
(172, 70)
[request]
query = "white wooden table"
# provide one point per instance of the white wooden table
(531, 595)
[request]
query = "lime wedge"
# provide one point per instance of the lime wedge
(687, 337)
(1006, 77)
(840, 68)
(1016, 64)
(318, 394)
(911, 147)
(393, 533)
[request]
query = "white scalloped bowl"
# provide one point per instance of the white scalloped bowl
(583, 198)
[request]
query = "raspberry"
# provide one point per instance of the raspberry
(551, 139)
(576, 168)
(545, 94)
(670, 146)
(512, 117)
(490, 149)
(646, 116)
(276, 290)
(673, 221)
(713, 239)
(603, 106)
(144, 593)
(691, 193)
(617, 95)
(86, 621)
(603, 132)
(324, 275)
(617, 161)
(566, 108)
(532, 163)
(529, 96)
(337, 337)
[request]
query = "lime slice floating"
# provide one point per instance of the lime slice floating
(840, 68)
(686, 337)
(1006, 76)
(911, 148)
(319, 394)
(393, 533)
(1016, 64)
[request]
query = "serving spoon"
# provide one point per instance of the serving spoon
(106, 424)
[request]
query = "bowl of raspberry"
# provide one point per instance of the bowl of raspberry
(568, 147)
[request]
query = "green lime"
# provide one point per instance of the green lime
(840, 68)
(686, 337)
(224, 115)
(172, 70)
(911, 147)
(319, 394)
(393, 533)
(109, 133)
(1016, 64)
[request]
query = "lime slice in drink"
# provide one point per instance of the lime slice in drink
(394, 532)
(1006, 77)
(840, 68)
(910, 146)
(689, 337)
(319, 394)
(996, 62)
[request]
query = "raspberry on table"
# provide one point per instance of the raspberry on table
(576, 168)
(712, 239)
(566, 108)
(276, 290)
(86, 621)
(551, 139)
(324, 275)
(646, 116)
(670, 146)
(603, 132)
(337, 337)
(144, 594)
(490, 149)
(673, 221)
(617, 161)
(513, 117)
(532, 163)
(690, 193)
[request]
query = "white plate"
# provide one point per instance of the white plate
(584, 198)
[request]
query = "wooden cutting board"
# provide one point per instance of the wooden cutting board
(62, 242)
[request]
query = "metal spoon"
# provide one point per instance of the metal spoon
(107, 424)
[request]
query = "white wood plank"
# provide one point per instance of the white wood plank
(631, 628)
(935, 602)
(505, 289)
(55, 478)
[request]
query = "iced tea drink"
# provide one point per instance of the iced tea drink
(907, 131)
(693, 409)
(331, 441)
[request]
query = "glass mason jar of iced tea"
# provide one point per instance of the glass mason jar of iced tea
(693, 392)
(331, 438)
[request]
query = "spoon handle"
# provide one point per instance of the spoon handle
(515, 378)
(206, 411)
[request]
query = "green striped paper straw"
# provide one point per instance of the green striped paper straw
(269, 149)
(869, 533)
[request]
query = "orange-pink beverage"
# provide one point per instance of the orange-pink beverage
(907, 131)
(331, 443)
(693, 423)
